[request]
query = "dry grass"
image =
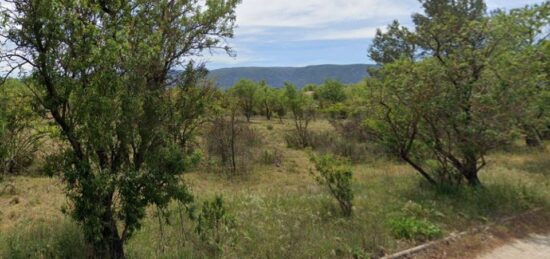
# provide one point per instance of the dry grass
(281, 212)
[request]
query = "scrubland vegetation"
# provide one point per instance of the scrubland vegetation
(106, 152)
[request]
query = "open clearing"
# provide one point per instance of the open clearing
(281, 212)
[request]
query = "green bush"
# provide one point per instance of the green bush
(214, 224)
(336, 175)
(414, 229)
(19, 139)
(46, 240)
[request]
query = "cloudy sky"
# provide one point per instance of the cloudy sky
(306, 32)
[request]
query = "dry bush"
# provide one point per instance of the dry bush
(349, 140)
(230, 144)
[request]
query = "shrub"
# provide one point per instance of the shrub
(230, 145)
(329, 142)
(294, 140)
(214, 224)
(19, 143)
(414, 229)
(336, 175)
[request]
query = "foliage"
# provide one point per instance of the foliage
(330, 93)
(268, 99)
(214, 224)
(526, 68)
(414, 229)
(19, 139)
(336, 176)
(279, 106)
(303, 110)
(246, 96)
(192, 105)
(340, 144)
(392, 45)
(449, 106)
(100, 70)
(230, 143)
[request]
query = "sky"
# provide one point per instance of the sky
(310, 32)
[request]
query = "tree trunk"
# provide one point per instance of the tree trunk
(470, 171)
(267, 113)
(112, 245)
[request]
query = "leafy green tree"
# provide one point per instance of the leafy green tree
(193, 103)
(392, 45)
(246, 93)
(279, 106)
(268, 99)
(526, 68)
(303, 109)
(331, 92)
(101, 70)
(444, 112)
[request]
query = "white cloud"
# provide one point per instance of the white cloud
(347, 34)
(313, 13)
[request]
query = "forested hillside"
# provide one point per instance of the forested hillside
(299, 76)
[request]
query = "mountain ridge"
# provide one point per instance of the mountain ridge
(300, 76)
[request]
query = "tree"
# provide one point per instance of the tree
(443, 113)
(279, 106)
(246, 93)
(303, 110)
(268, 99)
(101, 70)
(331, 92)
(526, 68)
(193, 102)
(396, 43)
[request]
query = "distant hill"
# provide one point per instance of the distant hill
(300, 76)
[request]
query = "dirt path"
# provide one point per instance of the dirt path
(532, 247)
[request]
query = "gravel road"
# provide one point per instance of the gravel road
(532, 247)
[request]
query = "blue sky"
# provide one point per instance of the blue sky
(308, 32)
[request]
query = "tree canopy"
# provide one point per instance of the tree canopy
(101, 70)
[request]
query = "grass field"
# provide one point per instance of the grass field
(280, 211)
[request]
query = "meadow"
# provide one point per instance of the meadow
(279, 210)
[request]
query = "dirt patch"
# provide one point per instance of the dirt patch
(533, 247)
(481, 242)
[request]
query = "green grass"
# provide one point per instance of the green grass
(280, 212)
(63, 239)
